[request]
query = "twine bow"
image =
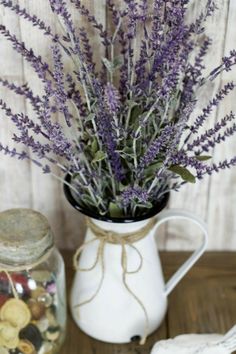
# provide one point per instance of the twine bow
(124, 240)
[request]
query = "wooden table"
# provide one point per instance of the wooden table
(204, 302)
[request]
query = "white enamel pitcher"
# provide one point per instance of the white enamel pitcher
(115, 307)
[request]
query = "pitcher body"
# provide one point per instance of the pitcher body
(119, 294)
(120, 310)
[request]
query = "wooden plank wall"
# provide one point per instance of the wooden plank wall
(22, 185)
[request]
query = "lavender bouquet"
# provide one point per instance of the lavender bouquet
(126, 136)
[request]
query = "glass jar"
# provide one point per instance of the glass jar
(32, 285)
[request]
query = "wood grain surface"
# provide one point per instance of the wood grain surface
(22, 185)
(204, 302)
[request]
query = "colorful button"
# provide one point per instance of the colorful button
(52, 287)
(42, 324)
(3, 351)
(51, 318)
(46, 299)
(26, 347)
(16, 312)
(47, 348)
(37, 292)
(53, 333)
(8, 335)
(32, 334)
(37, 309)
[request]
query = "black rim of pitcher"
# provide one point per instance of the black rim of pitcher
(157, 208)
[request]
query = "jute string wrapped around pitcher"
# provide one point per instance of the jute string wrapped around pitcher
(124, 240)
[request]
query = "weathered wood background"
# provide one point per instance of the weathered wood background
(21, 184)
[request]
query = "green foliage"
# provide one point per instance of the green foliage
(203, 157)
(112, 66)
(99, 156)
(115, 211)
(94, 146)
(183, 172)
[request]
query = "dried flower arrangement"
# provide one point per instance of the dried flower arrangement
(133, 139)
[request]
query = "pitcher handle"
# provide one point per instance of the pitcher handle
(184, 215)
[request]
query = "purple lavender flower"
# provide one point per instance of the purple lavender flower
(140, 66)
(211, 143)
(74, 94)
(60, 8)
(158, 23)
(36, 22)
(87, 49)
(41, 68)
(59, 143)
(107, 136)
(143, 6)
(227, 63)
(115, 13)
(132, 15)
(212, 104)
(182, 159)
(128, 137)
(198, 143)
(160, 144)
(91, 19)
(60, 93)
(112, 98)
(215, 168)
(134, 193)
(25, 91)
(20, 155)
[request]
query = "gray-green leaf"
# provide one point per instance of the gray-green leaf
(135, 113)
(122, 187)
(150, 170)
(94, 147)
(108, 64)
(117, 63)
(131, 104)
(90, 117)
(87, 200)
(147, 205)
(183, 172)
(203, 157)
(127, 151)
(99, 156)
(115, 211)
(112, 66)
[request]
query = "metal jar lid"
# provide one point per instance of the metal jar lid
(25, 236)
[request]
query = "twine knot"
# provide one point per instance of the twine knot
(110, 237)
(124, 240)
